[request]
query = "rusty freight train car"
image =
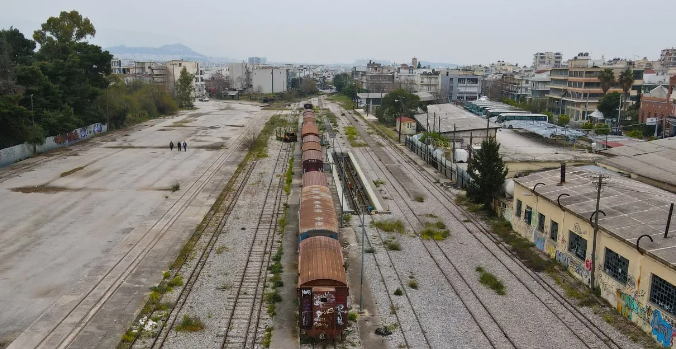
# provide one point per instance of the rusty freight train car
(317, 213)
(322, 288)
(315, 178)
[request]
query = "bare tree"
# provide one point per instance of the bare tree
(442, 95)
(494, 89)
(221, 83)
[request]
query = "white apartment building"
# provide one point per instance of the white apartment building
(174, 69)
(239, 75)
(543, 60)
(268, 80)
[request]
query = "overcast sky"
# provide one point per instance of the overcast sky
(461, 32)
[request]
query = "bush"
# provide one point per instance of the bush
(398, 292)
(635, 134)
(393, 245)
(190, 323)
(353, 316)
(175, 187)
(491, 281)
(413, 284)
(176, 281)
(390, 225)
(587, 126)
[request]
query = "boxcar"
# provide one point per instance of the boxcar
(311, 146)
(313, 160)
(311, 138)
(322, 288)
(317, 213)
(309, 128)
(315, 178)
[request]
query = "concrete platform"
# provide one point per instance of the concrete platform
(88, 234)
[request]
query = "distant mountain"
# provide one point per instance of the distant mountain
(166, 50)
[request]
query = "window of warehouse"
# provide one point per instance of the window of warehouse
(554, 231)
(616, 266)
(577, 245)
(528, 214)
(518, 208)
(541, 222)
(663, 294)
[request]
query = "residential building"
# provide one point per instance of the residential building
(268, 80)
(429, 81)
(239, 76)
(539, 84)
(575, 90)
(257, 60)
(658, 104)
(544, 60)
(668, 58)
(652, 79)
(378, 78)
(461, 86)
(173, 71)
(517, 86)
(633, 266)
(116, 66)
(406, 77)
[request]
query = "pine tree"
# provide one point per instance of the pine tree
(487, 171)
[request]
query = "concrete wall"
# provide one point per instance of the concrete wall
(630, 298)
(20, 152)
(533, 166)
(268, 80)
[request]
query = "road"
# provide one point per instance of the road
(86, 231)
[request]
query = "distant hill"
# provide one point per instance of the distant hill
(166, 50)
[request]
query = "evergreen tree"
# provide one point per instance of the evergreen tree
(184, 89)
(487, 171)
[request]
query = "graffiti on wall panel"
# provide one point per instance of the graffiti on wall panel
(67, 137)
(574, 266)
(662, 329)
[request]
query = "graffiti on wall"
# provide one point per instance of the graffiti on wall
(573, 265)
(662, 329)
(306, 308)
(67, 137)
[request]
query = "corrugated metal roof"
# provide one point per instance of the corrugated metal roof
(309, 128)
(313, 155)
(317, 212)
(311, 146)
(310, 138)
(655, 159)
(320, 258)
(315, 178)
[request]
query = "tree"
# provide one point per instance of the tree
(398, 103)
(626, 80)
(21, 50)
(602, 129)
(419, 65)
(184, 89)
(487, 171)
(608, 105)
(308, 87)
(607, 79)
(587, 126)
(563, 120)
(635, 134)
(66, 29)
(494, 89)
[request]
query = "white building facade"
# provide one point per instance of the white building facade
(269, 80)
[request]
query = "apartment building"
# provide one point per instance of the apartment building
(539, 84)
(429, 81)
(668, 58)
(269, 80)
(461, 85)
(173, 72)
(543, 60)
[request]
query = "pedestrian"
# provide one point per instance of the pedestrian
(179, 145)
(185, 146)
(171, 145)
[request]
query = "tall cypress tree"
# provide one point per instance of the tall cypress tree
(487, 171)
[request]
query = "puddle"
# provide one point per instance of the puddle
(45, 189)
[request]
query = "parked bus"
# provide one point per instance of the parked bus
(495, 112)
(505, 117)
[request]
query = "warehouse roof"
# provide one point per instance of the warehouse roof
(461, 124)
(631, 208)
(655, 160)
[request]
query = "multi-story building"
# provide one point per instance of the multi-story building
(659, 104)
(461, 86)
(539, 84)
(668, 58)
(517, 86)
(543, 60)
(116, 66)
(173, 72)
(239, 75)
(257, 60)
(406, 77)
(268, 80)
(377, 78)
(429, 80)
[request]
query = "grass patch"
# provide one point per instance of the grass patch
(462, 199)
(67, 173)
(393, 245)
(398, 292)
(436, 231)
(429, 215)
(221, 248)
(390, 225)
(370, 250)
(491, 281)
(419, 198)
(272, 298)
(347, 217)
(166, 275)
(353, 316)
(378, 182)
(413, 284)
(129, 336)
(475, 208)
(190, 324)
(289, 177)
(175, 187)
(267, 337)
(176, 281)
(392, 327)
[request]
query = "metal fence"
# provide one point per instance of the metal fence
(436, 158)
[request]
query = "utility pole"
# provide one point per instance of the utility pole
(33, 112)
(363, 243)
(599, 188)
(427, 158)
(453, 147)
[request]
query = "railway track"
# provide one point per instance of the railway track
(569, 309)
(86, 308)
(442, 196)
(390, 290)
(241, 329)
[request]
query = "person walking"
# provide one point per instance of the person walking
(171, 145)
(179, 145)
(185, 146)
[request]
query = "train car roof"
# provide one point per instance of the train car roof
(310, 138)
(315, 178)
(317, 211)
(313, 155)
(321, 263)
(309, 128)
(307, 146)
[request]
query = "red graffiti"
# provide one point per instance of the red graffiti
(67, 137)
(588, 264)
